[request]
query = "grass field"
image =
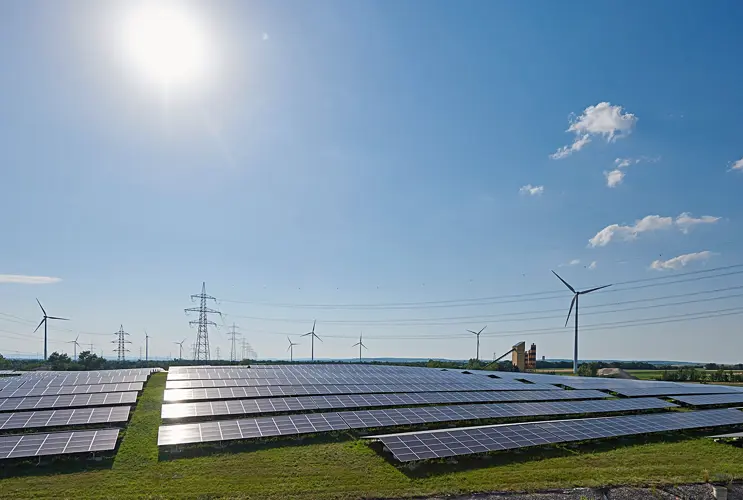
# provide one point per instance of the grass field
(346, 468)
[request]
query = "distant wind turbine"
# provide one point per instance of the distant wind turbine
(291, 349)
(360, 343)
(44, 322)
(180, 348)
(576, 294)
(478, 340)
(75, 345)
(313, 337)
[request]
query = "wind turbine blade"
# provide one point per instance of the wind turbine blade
(42, 307)
(472, 332)
(77, 338)
(313, 326)
(362, 345)
(357, 343)
(54, 317)
(318, 338)
(564, 282)
(42, 322)
(572, 302)
(305, 334)
(594, 289)
(483, 329)
(287, 349)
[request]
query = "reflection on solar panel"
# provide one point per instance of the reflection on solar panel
(69, 389)
(303, 403)
(409, 416)
(68, 401)
(676, 389)
(57, 443)
(295, 390)
(290, 424)
(711, 399)
(465, 441)
(61, 418)
(249, 428)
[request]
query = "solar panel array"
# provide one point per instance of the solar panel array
(70, 389)
(298, 424)
(57, 443)
(64, 418)
(711, 399)
(305, 403)
(678, 389)
(67, 401)
(465, 441)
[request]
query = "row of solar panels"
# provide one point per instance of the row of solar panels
(67, 401)
(245, 382)
(305, 403)
(30, 382)
(63, 418)
(70, 389)
(447, 443)
(284, 425)
(296, 390)
(327, 378)
(57, 443)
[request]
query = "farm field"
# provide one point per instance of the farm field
(343, 467)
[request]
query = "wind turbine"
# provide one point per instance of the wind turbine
(146, 346)
(360, 343)
(478, 340)
(576, 294)
(44, 321)
(291, 349)
(313, 337)
(75, 345)
(180, 348)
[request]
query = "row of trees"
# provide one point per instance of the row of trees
(695, 375)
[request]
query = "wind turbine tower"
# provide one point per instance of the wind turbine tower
(44, 322)
(291, 349)
(360, 343)
(312, 338)
(576, 294)
(75, 345)
(477, 357)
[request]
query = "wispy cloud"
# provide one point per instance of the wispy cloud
(531, 190)
(614, 178)
(737, 165)
(28, 280)
(592, 265)
(573, 262)
(264, 36)
(604, 120)
(680, 261)
(683, 222)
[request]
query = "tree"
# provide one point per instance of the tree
(588, 370)
(90, 361)
(59, 361)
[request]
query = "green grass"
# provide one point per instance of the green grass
(347, 468)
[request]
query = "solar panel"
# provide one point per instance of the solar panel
(711, 399)
(446, 443)
(227, 430)
(304, 403)
(70, 389)
(62, 418)
(67, 401)
(256, 392)
(677, 389)
(57, 443)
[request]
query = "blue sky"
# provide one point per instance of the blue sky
(341, 153)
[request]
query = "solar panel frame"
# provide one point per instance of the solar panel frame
(676, 390)
(710, 399)
(464, 441)
(70, 389)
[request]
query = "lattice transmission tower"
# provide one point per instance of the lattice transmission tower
(233, 334)
(201, 350)
(121, 343)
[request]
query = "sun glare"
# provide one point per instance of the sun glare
(166, 44)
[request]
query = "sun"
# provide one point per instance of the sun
(165, 44)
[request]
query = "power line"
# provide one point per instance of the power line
(121, 342)
(476, 300)
(201, 351)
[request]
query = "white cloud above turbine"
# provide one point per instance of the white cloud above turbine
(613, 232)
(531, 190)
(20, 279)
(603, 119)
(680, 261)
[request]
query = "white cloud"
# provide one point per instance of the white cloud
(685, 221)
(264, 37)
(592, 265)
(531, 190)
(627, 233)
(680, 261)
(738, 165)
(602, 119)
(574, 262)
(28, 280)
(614, 178)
